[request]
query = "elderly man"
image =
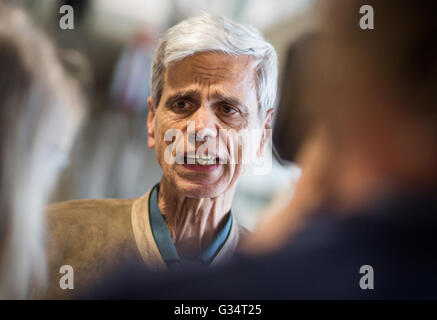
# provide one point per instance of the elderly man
(375, 170)
(209, 76)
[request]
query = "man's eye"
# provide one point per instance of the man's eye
(228, 109)
(181, 104)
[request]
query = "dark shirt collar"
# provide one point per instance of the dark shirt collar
(165, 243)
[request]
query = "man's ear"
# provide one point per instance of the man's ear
(267, 132)
(151, 124)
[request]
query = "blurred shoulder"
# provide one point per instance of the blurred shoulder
(89, 205)
(92, 236)
(90, 210)
(93, 217)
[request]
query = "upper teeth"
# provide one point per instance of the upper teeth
(202, 160)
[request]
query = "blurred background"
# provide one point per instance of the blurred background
(110, 51)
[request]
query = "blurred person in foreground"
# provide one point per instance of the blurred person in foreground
(40, 112)
(209, 76)
(373, 236)
(298, 138)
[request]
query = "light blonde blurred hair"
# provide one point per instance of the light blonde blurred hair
(41, 108)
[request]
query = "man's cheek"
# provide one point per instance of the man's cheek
(237, 122)
(234, 145)
(160, 144)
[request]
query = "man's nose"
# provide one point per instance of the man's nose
(205, 123)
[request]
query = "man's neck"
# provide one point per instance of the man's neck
(192, 222)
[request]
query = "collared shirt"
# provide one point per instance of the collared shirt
(165, 243)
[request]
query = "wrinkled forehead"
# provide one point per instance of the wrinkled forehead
(231, 73)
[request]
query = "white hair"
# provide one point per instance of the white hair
(40, 112)
(208, 33)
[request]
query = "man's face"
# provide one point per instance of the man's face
(203, 95)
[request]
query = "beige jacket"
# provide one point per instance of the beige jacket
(95, 237)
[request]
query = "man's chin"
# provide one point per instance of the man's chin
(201, 189)
(202, 170)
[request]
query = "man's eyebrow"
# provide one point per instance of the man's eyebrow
(229, 99)
(189, 94)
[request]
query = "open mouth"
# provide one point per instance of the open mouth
(201, 160)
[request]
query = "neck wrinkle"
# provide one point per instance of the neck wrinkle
(192, 222)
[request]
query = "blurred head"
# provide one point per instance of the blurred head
(293, 122)
(213, 88)
(376, 90)
(40, 111)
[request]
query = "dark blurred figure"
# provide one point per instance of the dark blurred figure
(374, 235)
(299, 137)
(292, 121)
